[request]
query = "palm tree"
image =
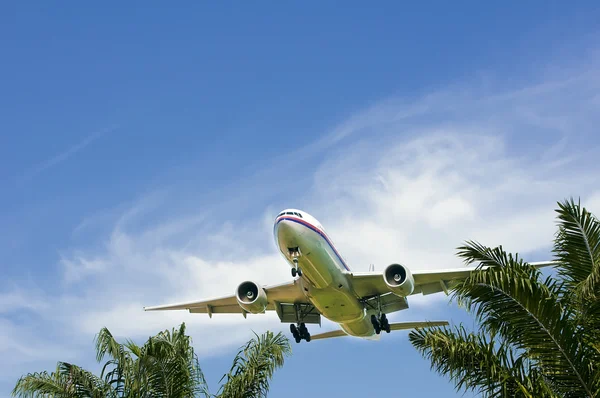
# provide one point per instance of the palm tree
(254, 366)
(537, 337)
(165, 366)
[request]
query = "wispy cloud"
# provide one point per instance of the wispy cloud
(406, 181)
(61, 157)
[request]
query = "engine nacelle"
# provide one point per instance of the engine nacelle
(251, 297)
(399, 279)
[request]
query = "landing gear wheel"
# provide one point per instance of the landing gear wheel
(296, 270)
(385, 324)
(300, 332)
(303, 329)
(374, 320)
(295, 332)
(375, 324)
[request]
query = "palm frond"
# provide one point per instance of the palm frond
(475, 362)
(170, 366)
(474, 252)
(513, 302)
(254, 366)
(44, 384)
(106, 344)
(86, 383)
(164, 366)
(577, 248)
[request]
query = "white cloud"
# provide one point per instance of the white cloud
(18, 299)
(400, 182)
(26, 349)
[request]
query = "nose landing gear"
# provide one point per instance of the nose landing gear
(296, 270)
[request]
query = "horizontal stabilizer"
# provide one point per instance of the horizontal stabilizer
(414, 325)
(393, 326)
(328, 335)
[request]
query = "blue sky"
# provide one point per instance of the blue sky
(145, 151)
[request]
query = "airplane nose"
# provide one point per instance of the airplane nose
(285, 229)
(288, 232)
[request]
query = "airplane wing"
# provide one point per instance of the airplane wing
(393, 326)
(284, 298)
(369, 284)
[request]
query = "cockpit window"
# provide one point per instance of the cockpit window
(290, 213)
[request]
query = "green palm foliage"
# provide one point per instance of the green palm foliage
(254, 366)
(165, 366)
(537, 337)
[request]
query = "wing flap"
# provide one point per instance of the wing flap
(290, 313)
(219, 309)
(389, 303)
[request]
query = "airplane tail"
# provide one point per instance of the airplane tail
(393, 326)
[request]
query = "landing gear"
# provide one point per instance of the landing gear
(296, 270)
(385, 324)
(380, 321)
(380, 324)
(300, 332)
(375, 324)
(302, 313)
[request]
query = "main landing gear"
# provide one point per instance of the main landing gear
(380, 324)
(300, 332)
(296, 270)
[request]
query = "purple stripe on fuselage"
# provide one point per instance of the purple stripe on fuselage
(317, 230)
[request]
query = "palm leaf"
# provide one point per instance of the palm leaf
(577, 248)
(170, 366)
(86, 383)
(512, 301)
(475, 252)
(44, 384)
(165, 366)
(477, 363)
(254, 366)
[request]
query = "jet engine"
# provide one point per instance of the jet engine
(399, 279)
(251, 297)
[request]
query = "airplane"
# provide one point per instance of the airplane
(323, 285)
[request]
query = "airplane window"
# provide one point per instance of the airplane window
(290, 213)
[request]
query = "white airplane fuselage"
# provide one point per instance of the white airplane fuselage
(324, 272)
